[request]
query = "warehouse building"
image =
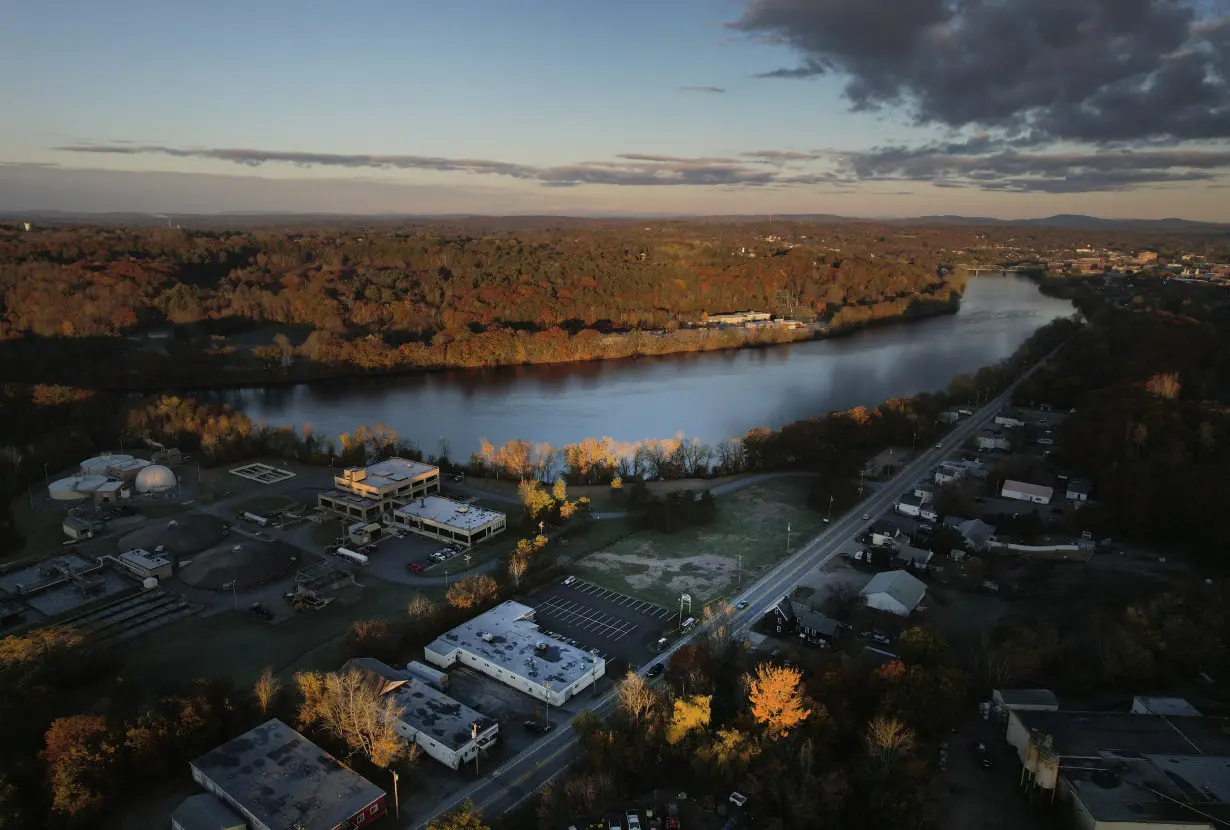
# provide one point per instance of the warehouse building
(896, 592)
(1125, 771)
(1023, 491)
(367, 493)
(450, 521)
(505, 643)
(445, 729)
(277, 779)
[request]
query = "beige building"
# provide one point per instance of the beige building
(368, 493)
(449, 521)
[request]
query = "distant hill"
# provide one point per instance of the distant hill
(1065, 221)
(1072, 221)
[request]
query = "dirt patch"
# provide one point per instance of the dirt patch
(759, 508)
(702, 575)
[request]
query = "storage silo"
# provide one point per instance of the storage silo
(155, 478)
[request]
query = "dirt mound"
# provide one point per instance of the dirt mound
(255, 563)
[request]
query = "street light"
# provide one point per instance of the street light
(830, 515)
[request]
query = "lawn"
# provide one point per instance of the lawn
(601, 496)
(705, 561)
(233, 645)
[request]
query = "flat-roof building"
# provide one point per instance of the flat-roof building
(277, 779)
(445, 729)
(451, 521)
(144, 564)
(366, 493)
(505, 643)
(1126, 771)
(1026, 491)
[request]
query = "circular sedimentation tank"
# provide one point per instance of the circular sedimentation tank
(75, 487)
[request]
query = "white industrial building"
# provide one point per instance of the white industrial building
(450, 521)
(991, 439)
(1023, 491)
(368, 493)
(445, 729)
(1009, 418)
(505, 643)
(143, 564)
(896, 592)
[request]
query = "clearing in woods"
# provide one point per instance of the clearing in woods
(704, 561)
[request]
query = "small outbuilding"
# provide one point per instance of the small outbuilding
(1025, 700)
(896, 592)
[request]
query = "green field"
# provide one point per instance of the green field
(704, 561)
(231, 644)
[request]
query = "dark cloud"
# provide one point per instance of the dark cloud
(629, 169)
(708, 90)
(1077, 70)
(782, 156)
(1014, 171)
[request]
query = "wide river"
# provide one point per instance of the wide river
(711, 396)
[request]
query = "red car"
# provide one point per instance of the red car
(414, 566)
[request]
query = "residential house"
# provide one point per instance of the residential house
(925, 491)
(976, 533)
(885, 534)
(947, 473)
(815, 627)
(908, 505)
(782, 616)
(914, 557)
(1078, 490)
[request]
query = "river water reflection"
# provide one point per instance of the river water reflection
(710, 396)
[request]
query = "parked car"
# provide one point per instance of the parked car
(537, 728)
(570, 580)
(367, 550)
(634, 820)
(456, 477)
(654, 670)
(414, 566)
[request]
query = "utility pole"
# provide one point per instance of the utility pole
(396, 800)
(787, 538)
(741, 569)
(474, 737)
(829, 518)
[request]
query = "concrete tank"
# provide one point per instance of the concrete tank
(99, 464)
(75, 487)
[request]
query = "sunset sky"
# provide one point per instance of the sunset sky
(1006, 108)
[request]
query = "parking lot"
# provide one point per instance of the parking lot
(618, 626)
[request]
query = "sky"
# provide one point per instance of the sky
(1004, 108)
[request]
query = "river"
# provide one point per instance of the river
(710, 396)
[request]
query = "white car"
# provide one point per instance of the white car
(866, 517)
(939, 446)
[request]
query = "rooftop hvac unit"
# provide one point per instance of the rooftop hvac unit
(486, 637)
(465, 508)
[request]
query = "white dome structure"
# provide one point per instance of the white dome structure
(155, 478)
(98, 465)
(75, 487)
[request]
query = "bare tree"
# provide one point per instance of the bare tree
(266, 690)
(351, 708)
(421, 607)
(637, 697)
(517, 566)
(888, 740)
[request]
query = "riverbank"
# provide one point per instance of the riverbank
(170, 365)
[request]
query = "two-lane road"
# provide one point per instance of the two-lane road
(518, 779)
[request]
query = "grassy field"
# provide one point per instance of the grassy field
(233, 645)
(603, 498)
(704, 561)
(264, 505)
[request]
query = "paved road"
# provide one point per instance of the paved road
(520, 778)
